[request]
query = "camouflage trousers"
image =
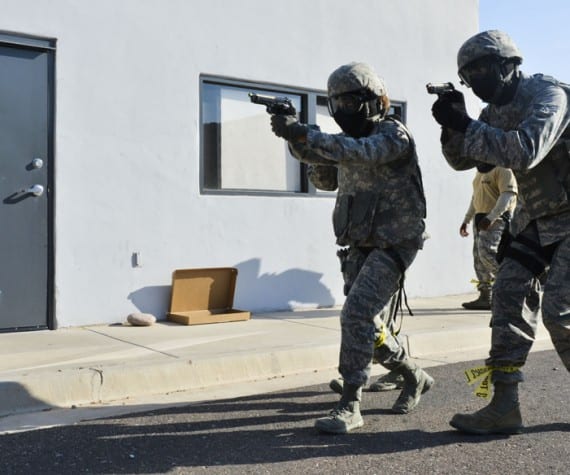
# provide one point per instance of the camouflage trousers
(517, 302)
(485, 245)
(372, 292)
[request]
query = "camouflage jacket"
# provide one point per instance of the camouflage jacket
(528, 136)
(380, 200)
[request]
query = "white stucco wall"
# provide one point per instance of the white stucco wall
(127, 143)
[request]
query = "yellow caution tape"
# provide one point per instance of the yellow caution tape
(477, 282)
(482, 374)
(382, 337)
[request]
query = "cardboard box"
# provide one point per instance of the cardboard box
(204, 296)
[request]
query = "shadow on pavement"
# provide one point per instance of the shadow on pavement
(21, 399)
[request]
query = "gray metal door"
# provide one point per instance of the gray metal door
(26, 110)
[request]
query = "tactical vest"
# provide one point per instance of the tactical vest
(353, 217)
(544, 190)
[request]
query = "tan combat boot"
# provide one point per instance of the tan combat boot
(346, 415)
(501, 416)
(387, 382)
(416, 383)
(483, 302)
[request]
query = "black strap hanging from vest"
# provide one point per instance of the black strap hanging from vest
(401, 291)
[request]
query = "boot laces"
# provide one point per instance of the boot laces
(341, 410)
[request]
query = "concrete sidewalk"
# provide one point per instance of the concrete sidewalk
(102, 364)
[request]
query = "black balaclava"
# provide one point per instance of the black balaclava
(356, 125)
(499, 85)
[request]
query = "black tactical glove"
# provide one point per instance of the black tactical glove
(288, 128)
(454, 96)
(449, 111)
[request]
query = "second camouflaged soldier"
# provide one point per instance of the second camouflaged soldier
(524, 127)
(379, 214)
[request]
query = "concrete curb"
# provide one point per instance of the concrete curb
(103, 384)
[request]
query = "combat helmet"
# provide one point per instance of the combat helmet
(487, 43)
(355, 77)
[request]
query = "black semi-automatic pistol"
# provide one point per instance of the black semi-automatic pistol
(274, 105)
(439, 88)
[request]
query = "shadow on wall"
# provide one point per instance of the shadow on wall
(294, 288)
(154, 299)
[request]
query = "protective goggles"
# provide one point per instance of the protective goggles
(482, 68)
(349, 102)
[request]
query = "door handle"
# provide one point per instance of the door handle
(36, 190)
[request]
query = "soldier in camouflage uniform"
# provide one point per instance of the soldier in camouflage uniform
(524, 127)
(492, 204)
(379, 214)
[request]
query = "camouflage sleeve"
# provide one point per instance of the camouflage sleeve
(452, 147)
(387, 145)
(305, 154)
(530, 141)
(324, 177)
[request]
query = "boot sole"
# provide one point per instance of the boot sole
(497, 430)
(469, 307)
(338, 430)
(384, 387)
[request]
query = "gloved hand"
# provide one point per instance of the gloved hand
(288, 128)
(449, 111)
(456, 97)
(484, 224)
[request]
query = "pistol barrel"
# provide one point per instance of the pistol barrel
(439, 88)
